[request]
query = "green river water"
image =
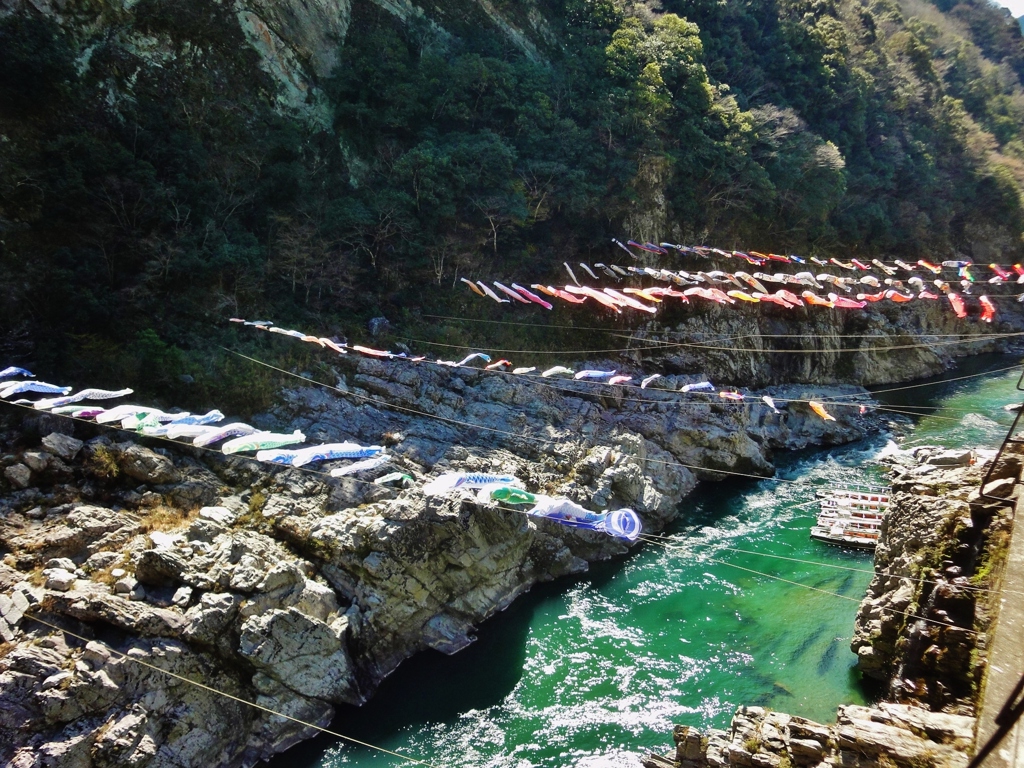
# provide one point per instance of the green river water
(596, 671)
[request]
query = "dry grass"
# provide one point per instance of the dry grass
(35, 577)
(104, 575)
(253, 518)
(103, 463)
(166, 518)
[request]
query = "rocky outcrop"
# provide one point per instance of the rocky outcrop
(301, 592)
(879, 345)
(920, 629)
(902, 736)
(297, 43)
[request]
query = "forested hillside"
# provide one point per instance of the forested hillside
(155, 179)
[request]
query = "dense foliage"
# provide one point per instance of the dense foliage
(151, 187)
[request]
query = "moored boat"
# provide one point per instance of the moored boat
(844, 501)
(851, 517)
(846, 533)
(867, 494)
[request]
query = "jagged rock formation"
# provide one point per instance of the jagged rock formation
(297, 44)
(902, 736)
(921, 626)
(875, 346)
(298, 593)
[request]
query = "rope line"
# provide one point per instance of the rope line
(809, 587)
(680, 401)
(512, 435)
(900, 412)
(494, 430)
(842, 350)
(311, 471)
(683, 401)
(655, 345)
(326, 475)
(934, 383)
(834, 566)
(830, 399)
(613, 330)
(232, 697)
(163, 438)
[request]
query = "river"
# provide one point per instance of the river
(595, 671)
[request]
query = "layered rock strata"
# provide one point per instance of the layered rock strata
(879, 345)
(299, 592)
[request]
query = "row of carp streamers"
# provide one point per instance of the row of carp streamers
(741, 286)
(613, 377)
(203, 430)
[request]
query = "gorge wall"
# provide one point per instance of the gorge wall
(298, 592)
(172, 164)
(871, 347)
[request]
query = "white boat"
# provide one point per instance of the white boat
(851, 517)
(866, 495)
(844, 501)
(859, 509)
(847, 533)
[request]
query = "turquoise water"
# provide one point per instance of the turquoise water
(968, 412)
(595, 671)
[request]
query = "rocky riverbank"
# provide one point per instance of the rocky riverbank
(889, 734)
(920, 632)
(880, 345)
(297, 591)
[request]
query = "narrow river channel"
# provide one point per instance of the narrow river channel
(591, 672)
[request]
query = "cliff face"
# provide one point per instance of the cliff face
(298, 592)
(870, 347)
(889, 734)
(297, 43)
(170, 164)
(920, 628)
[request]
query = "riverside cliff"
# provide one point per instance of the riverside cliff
(761, 347)
(921, 631)
(297, 592)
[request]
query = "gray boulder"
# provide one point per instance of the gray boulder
(59, 579)
(18, 475)
(307, 656)
(62, 445)
(951, 458)
(210, 618)
(147, 466)
(35, 460)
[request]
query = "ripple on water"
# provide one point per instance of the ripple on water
(606, 666)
